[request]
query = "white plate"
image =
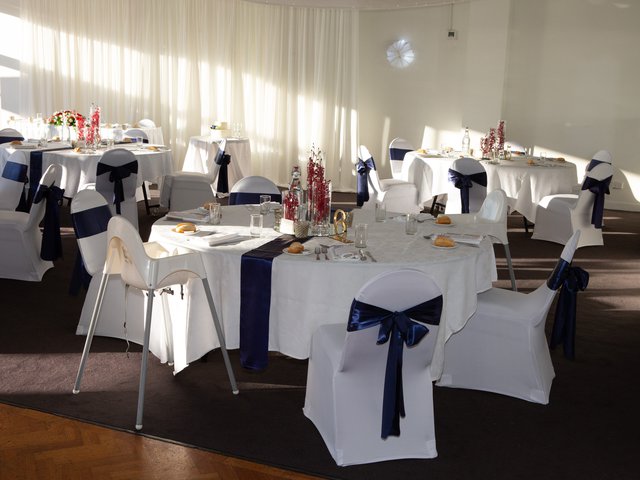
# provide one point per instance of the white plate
(185, 233)
(304, 252)
(444, 248)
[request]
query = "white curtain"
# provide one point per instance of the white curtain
(287, 74)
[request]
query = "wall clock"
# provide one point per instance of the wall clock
(400, 54)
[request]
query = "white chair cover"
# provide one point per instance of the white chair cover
(147, 267)
(346, 378)
(398, 148)
(114, 164)
(9, 135)
(90, 215)
(490, 220)
(397, 195)
(20, 236)
(249, 189)
(136, 133)
(146, 123)
(13, 182)
(558, 217)
(477, 192)
(503, 347)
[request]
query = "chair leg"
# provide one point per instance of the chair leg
(512, 275)
(223, 347)
(145, 358)
(526, 224)
(146, 199)
(92, 328)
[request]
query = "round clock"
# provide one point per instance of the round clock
(400, 54)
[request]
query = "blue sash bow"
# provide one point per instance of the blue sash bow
(363, 167)
(398, 153)
(571, 279)
(223, 159)
(593, 163)
(248, 198)
(51, 248)
(86, 223)
(599, 188)
(10, 139)
(399, 328)
(116, 175)
(17, 172)
(464, 183)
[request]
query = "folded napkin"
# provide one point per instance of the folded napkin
(344, 253)
(220, 238)
(193, 215)
(467, 238)
(25, 145)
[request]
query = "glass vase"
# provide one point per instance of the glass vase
(320, 210)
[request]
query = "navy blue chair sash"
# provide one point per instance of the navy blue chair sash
(247, 198)
(10, 139)
(398, 153)
(464, 183)
(51, 248)
(571, 280)
(599, 188)
(255, 301)
(17, 172)
(86, 223)
(223, 159)
(398, 329)
(362, 168)
(593, 163)
(116, 175)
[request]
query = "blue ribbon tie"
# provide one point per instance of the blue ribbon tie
(363, 167)
(248, 198)
(10, 139)
(116, 175)
(223, 159)
(397, 328)
(51, 248)
(464, 183)
(17, 172)
(593, 163)
(398, 153)
(570, 280)
(599, 188)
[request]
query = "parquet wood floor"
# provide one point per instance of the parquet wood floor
(36, 445)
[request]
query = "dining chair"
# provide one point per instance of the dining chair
(467, 186)
(117, 180)
(27, 253)
(147, 267)
(13, 182)
(187, 190)
(490, 220)
(136, 133)
(9, 135)
(90, 215)
(398, 148)
(559, 216)
(249, 189)
(503, 347)
(397, 195)
(146, 123)
(369, 397)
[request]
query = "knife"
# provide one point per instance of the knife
(368, 253)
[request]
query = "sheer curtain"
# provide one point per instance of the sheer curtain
(288, 74)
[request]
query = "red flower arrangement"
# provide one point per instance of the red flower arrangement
(318, 189)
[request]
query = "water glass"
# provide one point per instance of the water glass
(214, 213)
(265, 201)
(139, 143)
(361, 235)
(255, 226)
(381, 212)
(411, 225)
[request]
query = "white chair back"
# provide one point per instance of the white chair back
(249, 189)
(124, 161)
(136, 133)
(52, 177)
(90, 215)
(477, 192)
(398, 148)
(494, 210)
(374, 179)
(602, 156)
(9, 135)
(586, 199)
(13, 181)
(146, 123)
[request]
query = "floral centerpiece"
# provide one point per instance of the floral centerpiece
(66, 118)
(318, 193)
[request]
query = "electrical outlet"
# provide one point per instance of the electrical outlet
(452, 34)
(616, 185)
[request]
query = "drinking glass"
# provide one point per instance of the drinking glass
(255, 226)
(214, 213)
(361, 235)
(139, 143)
(411, 225)
(265, 201)
(381, 212)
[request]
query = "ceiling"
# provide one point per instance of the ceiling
(361, 4)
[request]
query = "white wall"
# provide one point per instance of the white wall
(562, 74)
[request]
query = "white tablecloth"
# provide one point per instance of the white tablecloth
(202, 153)
(154, 134)
(81, 167)
(524, 184)
(307, 293)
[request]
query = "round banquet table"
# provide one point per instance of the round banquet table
(307, 293)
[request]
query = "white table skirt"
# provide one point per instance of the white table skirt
(307, 293)
(525, 185)
(202, 153)
(81, 167)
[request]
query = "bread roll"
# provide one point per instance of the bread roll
(443, 220)
(444, 241)
(295, 247)
(185, 227)
(16, 142)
